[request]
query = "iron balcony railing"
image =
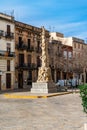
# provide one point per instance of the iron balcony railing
(7, 54)
(9, 35)
(22, 46)
(26, 66)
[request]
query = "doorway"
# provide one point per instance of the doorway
(8, 81)
(20, 80)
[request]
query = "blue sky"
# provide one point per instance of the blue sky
(66, 16)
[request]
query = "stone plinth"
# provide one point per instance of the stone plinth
(43, 87)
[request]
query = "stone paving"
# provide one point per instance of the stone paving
(63, 112)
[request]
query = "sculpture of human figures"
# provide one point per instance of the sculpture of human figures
(44, 73)
(45, 61)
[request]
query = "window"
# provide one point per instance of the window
(38, 61)
(21, 59)
(29, 43)
(8, 48)
(38, 45)
(65, 54)
(29, 60)
(8, 29)
(74, 45)
(70, 54)
(79, 45)
(20, 41)
(8, 65)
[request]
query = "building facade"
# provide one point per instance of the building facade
(28, 52)
(78, 57)
(78, 54)
(7, 49)
(60, 60)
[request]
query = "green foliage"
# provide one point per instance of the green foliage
(83, 94)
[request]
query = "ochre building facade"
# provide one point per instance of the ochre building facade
(28, 52)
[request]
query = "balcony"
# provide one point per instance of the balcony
(31, 48)
(26, 66)
(32, 66)
(21, 46)
(11, 54)
(21, 66)
(9, 35)
(5, 54)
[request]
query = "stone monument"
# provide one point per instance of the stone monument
(44, 82)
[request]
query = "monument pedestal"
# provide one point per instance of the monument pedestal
(43, 87)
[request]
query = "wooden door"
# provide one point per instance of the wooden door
(8, 81)
(20, 79)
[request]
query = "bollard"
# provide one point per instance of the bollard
(85, 126)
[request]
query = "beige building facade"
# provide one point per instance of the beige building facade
(7, 50)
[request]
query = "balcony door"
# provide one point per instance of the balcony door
(8, 30)
(20, 41)
(29, 60)
(38, 61)
(21, 59)
(29, 43)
